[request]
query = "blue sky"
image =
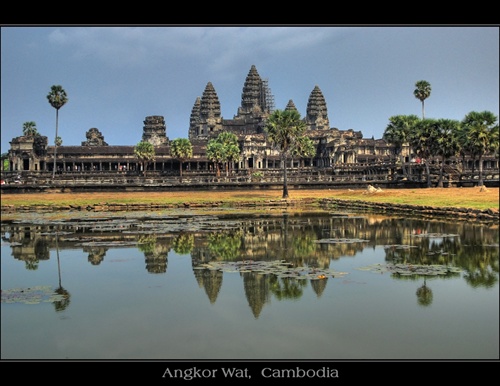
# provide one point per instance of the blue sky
(115, 76)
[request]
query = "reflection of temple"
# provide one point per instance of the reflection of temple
(155, 253)
(257, 291)
(402, 240)
(211, 281)
(319, 286)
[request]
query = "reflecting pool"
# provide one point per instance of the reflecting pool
(279, 286)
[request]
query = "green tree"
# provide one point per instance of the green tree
(57, 98)
(479, 134)
(422, 92)
(303, 147)
(181, 149)
(230, 149)
(215, 153)
(29, 129)
(422, 141)
(5, 161)
(397, 133)
(145, 152)
(447, 143)
(285, 131)
(58, 141)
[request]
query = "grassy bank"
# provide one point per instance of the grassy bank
(473, 198)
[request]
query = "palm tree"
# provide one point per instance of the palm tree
(447, 143)
(215, 153)
(422, 92)
(57, 98)
(422, 140)
(29, 129)
(145, 152)
(397, 133)
(285, 131)
(231, 150)
(480, 135)
(181, 149)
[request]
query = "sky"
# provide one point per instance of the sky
(116, 76)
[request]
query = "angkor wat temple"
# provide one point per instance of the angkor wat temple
(338, 152)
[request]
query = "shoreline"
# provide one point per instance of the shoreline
(474, 204)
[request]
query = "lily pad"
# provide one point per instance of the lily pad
(413, 269)
(278, 268)
(31, 295)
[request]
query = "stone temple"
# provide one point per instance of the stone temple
(335, 149)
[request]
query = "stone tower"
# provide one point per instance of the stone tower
(94, 138)
(155, 130)
(317, 114)
(194, 119)
(253, 97)
(206, 120)
(290, 106)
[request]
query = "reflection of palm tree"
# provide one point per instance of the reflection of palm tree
(424, 295)
(225, 246)
(183, 244)
(61, 305)
(287, 287)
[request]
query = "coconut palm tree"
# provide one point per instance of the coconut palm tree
(181, 149)
(285, 131)
(57, 98)
(422, 92)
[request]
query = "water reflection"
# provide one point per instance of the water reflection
(304, 245)
(64, 296)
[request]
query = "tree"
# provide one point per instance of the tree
(479, 134)
(447, 144)
(181, 149)
(5, 161)
(215, 153)
(29, 129)
(285, 131)
(422, 140)
(422, 92)
(57, 98)
(145, 152)
(230, 149)
(58, 141)
(397, 133)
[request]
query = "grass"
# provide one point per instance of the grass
(472, 197)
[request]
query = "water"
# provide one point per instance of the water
(187, 287)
